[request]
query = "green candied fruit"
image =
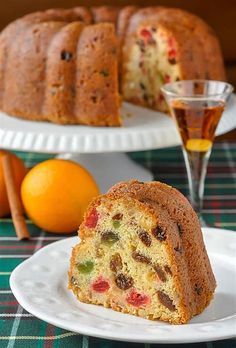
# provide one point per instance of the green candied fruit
(116, 223)
(109, 238)
(85, 267)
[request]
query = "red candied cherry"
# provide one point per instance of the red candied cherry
(146, 35)
(136, 299)
(172, 53)
(92, 219)
(166, 78)
(100, 285)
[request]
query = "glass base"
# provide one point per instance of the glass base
(196, 165)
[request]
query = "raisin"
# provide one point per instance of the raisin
(136, 299)
(179, 249)
(159, 272)
(109, 238)
(66, 55)
(73, 91)
(141, 45)
(198, 289)
(172, 60)
(117, 217)
(92, 219)
(100, 285)
(104, 72)
(123, 281)
(142, 86)
(116, 263)
(180, 229)
(94, 98)
(159, 233)
(85, 267)
(167, 270)
(166, 301)
(145, 238)
(140, 257)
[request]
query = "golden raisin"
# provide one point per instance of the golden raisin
(116, 263)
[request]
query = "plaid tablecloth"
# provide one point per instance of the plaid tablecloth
(20, 329)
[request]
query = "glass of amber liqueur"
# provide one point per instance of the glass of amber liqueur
(197, 106)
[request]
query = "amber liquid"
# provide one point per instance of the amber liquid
(197, 120)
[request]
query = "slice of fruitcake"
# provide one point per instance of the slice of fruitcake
(142, 253)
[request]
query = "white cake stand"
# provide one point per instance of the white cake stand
(100, 149)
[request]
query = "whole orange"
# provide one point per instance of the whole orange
(19, 171)
(56, 193)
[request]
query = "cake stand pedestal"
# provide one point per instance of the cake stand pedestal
(101, 149)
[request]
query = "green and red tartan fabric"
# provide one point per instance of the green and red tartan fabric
(19, 329)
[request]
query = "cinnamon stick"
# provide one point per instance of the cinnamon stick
(17, 211)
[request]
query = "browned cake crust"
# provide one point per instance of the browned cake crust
(123, 19)
(53, 76)
(191, 240)
(41, 61)
(103, 14)
(186, 281)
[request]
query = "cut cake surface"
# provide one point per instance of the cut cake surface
(142, 253)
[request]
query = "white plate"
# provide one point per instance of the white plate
(143, 130)
(40, 286)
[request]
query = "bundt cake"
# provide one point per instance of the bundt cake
(71, 66)
(142, 253)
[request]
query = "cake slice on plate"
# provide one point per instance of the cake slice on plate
(142, 253)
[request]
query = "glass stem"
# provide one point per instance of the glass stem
(196, 164)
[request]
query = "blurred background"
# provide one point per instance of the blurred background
(221, 15)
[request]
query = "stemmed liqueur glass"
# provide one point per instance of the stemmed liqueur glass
(196, 106)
